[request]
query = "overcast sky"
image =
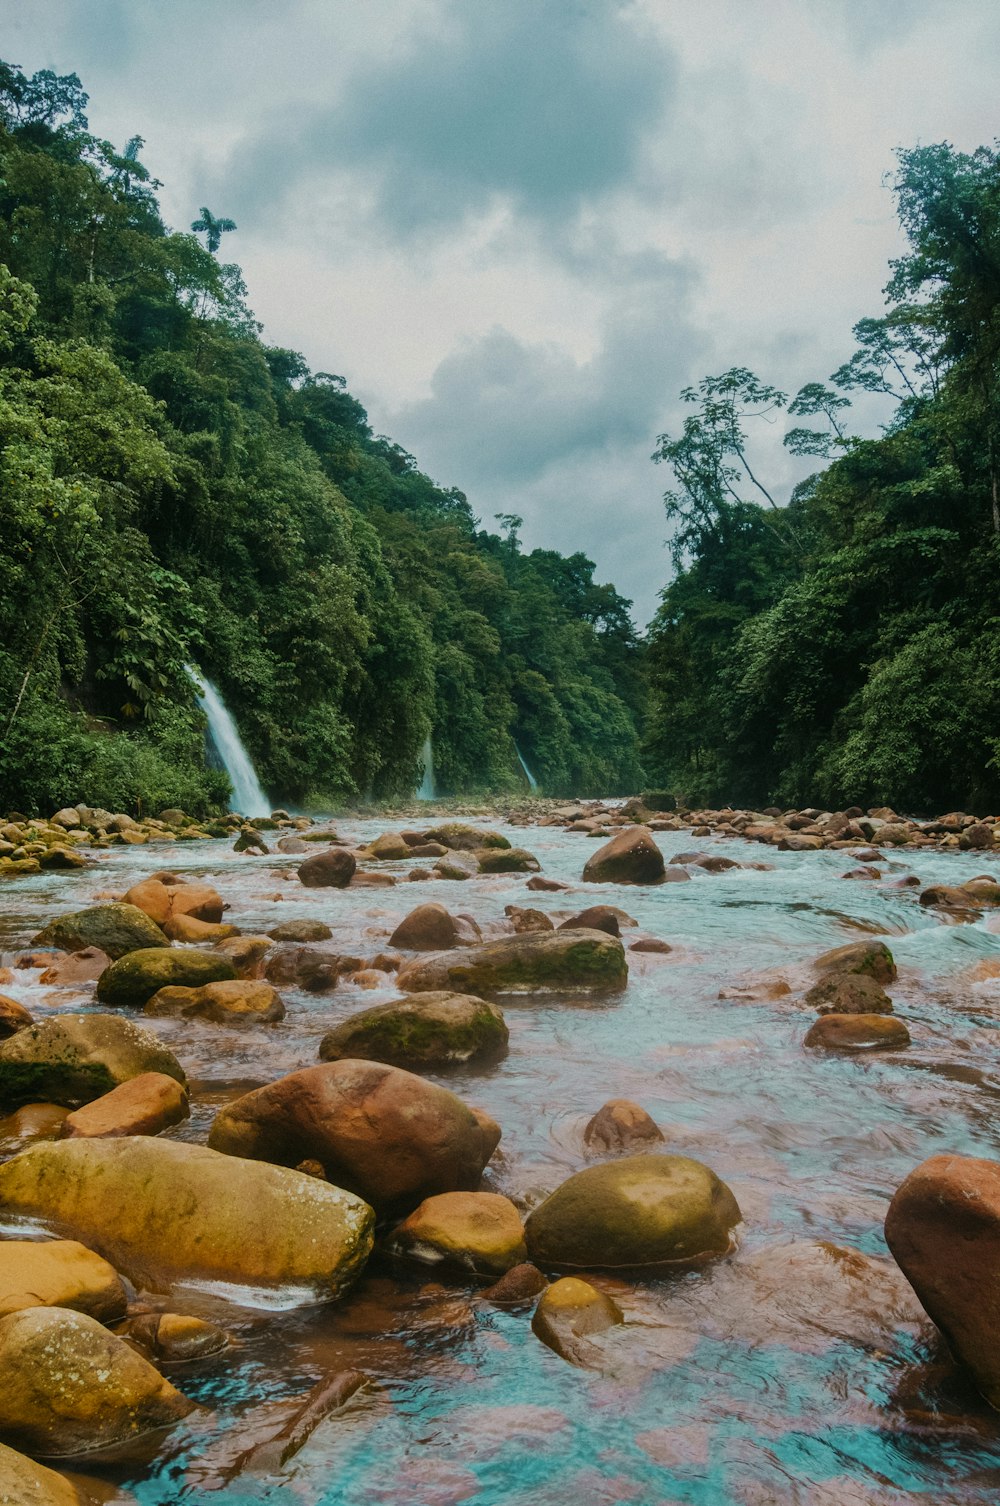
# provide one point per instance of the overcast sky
(519, 227)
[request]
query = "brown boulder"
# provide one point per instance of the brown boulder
(303, 967)
(539, 884)
(520, 1284)
(246, 954)
(570, 1315)
(190, 928)
(85, 966)
(58, 1273)
(873, 959)
(238, 1001)
(389, 847)
(332, 869)
(431, 1030)
(393, 1138)
(162, 897)
(538, 962)
(597, 918)
(650, 944)
(144, 1105)
(943, 1228)
(13, 1017)
(848, 993)
(524, 920)
(858, 1032)
(631, 857)
(173, 1338)
(621, 1125)
(432, 928)
(474, 1231)
(301, 930)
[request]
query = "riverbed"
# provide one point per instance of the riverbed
(773, 1375)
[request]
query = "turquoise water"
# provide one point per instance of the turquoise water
(775, 1375)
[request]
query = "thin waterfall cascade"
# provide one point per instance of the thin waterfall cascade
(529, 776)
(426, 789)
(249, 798)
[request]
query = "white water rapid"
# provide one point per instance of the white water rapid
(529, 776)
(248, 797)
(426, 790)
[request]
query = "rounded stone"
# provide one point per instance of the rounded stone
(621, 1125)
(134, 979)
(328, 870)
(71, 1059)
(114, 929)
(640, 1211)
(236, 1001)
(537, 962)
(475, 1231)
(631, 857)
(58, 1273)
(570, 1315)
(434, 1029)
(858, 1032)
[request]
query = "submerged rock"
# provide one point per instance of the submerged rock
(173, 1338)
(943, 1229)
(436, 1029)
(71, 1059)
(535, 962)
(236, 1001)
(474, 1231)
(645, 1210)
(58, 1273)
(570, 1315)
(621, 1125)
(432, 928)
(165, 1212)
(303, 967)
(144, 1105)
(386, 1134)
(136, 978)
(631, 857)
(858, 1032)
(114, 929)
(71, 1387)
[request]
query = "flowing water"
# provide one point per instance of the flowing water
(776, 1375)
(249, 798)
(529, 776)
(426, 789)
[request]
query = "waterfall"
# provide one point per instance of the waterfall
(426, 790)
(529, 776)
(248, 797)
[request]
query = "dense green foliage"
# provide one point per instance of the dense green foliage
(175, 492)
(844, 649)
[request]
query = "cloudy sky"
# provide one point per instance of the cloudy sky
(519, 227)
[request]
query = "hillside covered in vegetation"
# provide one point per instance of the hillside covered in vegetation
(176, 492)
(846, 648)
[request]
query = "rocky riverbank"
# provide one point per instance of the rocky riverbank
(220, 1119)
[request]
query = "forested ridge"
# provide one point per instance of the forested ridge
(174, 491)
(844, 649)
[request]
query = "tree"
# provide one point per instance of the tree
(212, 228)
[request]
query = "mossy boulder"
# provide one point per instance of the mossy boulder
(871, 959)
(136, 978)
(71, 1059)
(237, 1001)
(535, 962)
(71, 1387)
(113, 929)
(461, 838)
(163, 1212)
(472, 1231)
(641, 1211)
(58, 1273)
(507, 860)
(433, 1030)
(848, 993)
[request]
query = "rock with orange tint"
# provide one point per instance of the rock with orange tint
(85, 966)
(432, 928)
(525, 920)
(943, 1229)
(518, 1285)
(570, 1315)
(858, 1032)
(161, 900)
(173, 1338)
(59, 1273)
(621, 1125)
(848, 993)
(247, 954)
(542, 885)
(473, 1231)
(144, 1105)
(31, 1122)
(190, 928)
(233, 1001)
(652, 944)
(13, 1017)
(23, 1482)
(383, 1133)
(303, 967)
(631, 857)
(870, 959)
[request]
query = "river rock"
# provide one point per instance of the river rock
(174, 1338)
(570, 1315)
(13, 1017)
(301, 930)
(507, 860)
(165, 895)
(621, 1125)
(518, 1285)
(949, 897)
(848, 993)
(461, 838)
(71, 1059)
(333, 869)
(23, 1482)
(597, 918)
(303, 967)
(943, 1229)
(379, 1131)
(858, 1032)
(534, 963)
(433, 1030)
(246, 953)
(526, 920)
(646, 1210)
(165, 1212)
(188, 929)
(136, 978)
(115, 929)
(473, 1231)
(237, 1001)
(872, 959)
(631, 857)
(58, 1273)
(432, 928)
(541, 885)
(144, 1105)
(389, 847)
(71, 1387)
(76, 967)
(31, 1122)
